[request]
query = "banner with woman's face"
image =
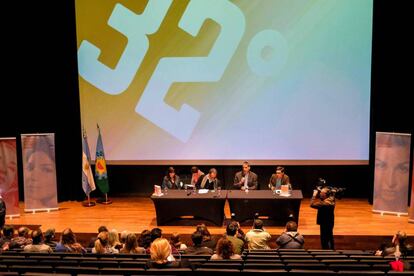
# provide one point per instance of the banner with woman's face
(9, 188)
(392, 166)
(39, 171)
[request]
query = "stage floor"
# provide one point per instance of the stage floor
(352, 217)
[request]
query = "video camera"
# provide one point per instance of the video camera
(331, 191)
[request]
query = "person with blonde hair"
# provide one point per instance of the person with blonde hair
(131, 245)
(113, 238)
(68, 243)
(161, 257)
(102, 245)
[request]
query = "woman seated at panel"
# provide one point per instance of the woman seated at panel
(171, 180)
(209, 181)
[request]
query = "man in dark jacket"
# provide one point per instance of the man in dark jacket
(324, 202)
(278, 179)
(197, 248)
(290, 239)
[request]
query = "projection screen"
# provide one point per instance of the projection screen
(219, 82)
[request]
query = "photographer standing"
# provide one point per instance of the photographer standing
(324, 201)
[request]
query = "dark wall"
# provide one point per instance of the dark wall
(40, 94)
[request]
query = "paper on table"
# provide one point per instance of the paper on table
(203, 191)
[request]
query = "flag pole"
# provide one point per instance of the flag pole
(88, 203)
(105, 201)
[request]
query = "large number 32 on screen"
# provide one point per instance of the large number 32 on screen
(179, 123)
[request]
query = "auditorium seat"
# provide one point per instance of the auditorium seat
(300, 260)
(304, 266)
(75, 270)
(170, 271)
(271, 257)
(382, 267)
(273, 261)
(310, 272)
(360, 273)
(43, 274)
(55, 263)
(405, 273)
(296, 256)
(11, 262)
(270, 271)
(224, 265)
(366, 257)
(80, 258)
(264, 266)
(121, 271)
(27, 268)
(210, 271)
(338, 267)
(330, 256)
(99, 263)
(8, 257)
(132, 264)
(339, 261)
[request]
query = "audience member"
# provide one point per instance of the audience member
(290, 239)
(257, 237)
(231, 232)
(131, 245)
(37, 243)
(68, 243)
(224, 251)
(198, 248)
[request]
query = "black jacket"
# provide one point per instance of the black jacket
(325, 209)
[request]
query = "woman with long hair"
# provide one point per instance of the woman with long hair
(131, 245)
(225, 251)
(68, 243)
(102, 245)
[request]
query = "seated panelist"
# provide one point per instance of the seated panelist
(245, 179)
(208, 181)
(278, 179)
(171, 180)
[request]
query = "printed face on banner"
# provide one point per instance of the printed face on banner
(392, 164)
(39, 173)
(8, 176)
(8, 168)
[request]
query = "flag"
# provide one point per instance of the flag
(88, 183)
(100, 166)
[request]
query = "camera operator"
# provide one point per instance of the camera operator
(323, 200)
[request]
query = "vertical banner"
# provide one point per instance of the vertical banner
(39, 171)
(9, 188)
(411, 213)
(391, 178)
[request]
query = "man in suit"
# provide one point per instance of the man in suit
(245, 179)
(278, 179)
(324, 202)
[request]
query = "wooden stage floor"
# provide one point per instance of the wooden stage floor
(353, 217)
